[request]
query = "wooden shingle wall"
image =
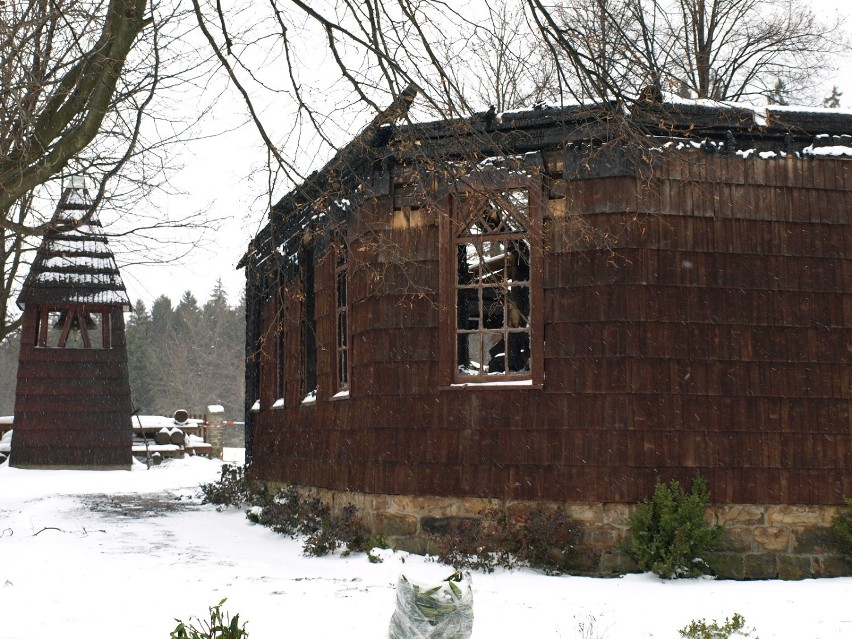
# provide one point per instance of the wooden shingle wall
(73, 406)
(695, 320)
(711, 332)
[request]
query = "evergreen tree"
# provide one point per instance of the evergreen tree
(778, 94)
(187, 357)
(9, 348)
(162, 315)
(833, 100)
(161, 345)
(140, 363)
(224, 364)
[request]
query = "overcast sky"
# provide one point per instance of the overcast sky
(218, 180)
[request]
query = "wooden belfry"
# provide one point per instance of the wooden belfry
(73, 406)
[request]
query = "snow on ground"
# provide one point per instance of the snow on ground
(120, 555)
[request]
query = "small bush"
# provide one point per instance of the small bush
(668, 535)
(231, 489)
(219, 626)
(841, 529)
(480, 543)
(544, 540)
(344, 530)
(733, 627)
(291, 512)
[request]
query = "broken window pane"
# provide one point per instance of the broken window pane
(492, 285)
(342, 316)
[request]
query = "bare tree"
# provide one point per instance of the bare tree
(503, 64)
(329, 63)
(714, 49)
(80, 82)
(61, 65)
(78, 76)
(733, 49)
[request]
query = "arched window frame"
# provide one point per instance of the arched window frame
(342, 363)
(492, 183)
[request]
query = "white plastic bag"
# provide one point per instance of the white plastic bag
(444, 611)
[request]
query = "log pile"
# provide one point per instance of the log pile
(156, 438)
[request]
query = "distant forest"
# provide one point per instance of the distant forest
(186, 356)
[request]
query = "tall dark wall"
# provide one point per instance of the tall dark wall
(72, 406)
(695, 320)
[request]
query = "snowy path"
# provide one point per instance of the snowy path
(122, 554)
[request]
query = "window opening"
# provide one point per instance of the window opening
(492, 287)
(342, 313)
(72, 327)
(279, 341)
(309, 339)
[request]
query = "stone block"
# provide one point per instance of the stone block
(737, 539)
(395, 524)
(585, 560)
(602, 537)
(339, 501)
(616, 515)
(795, 567)
(587, 513)
(794, 515)
(771, 538)
(728, 565)
(377, 503)
(739, 515)
(518, 511)
(760, 566)
(615, 562)
(835, 566)
(812, 540)
(438, 506)
(415, 545)
(446, 525)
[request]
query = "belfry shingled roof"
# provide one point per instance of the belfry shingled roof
(75, 267)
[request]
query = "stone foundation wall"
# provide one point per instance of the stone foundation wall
(760, 541)
(783, 542)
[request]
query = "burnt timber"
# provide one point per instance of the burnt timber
(692, 309)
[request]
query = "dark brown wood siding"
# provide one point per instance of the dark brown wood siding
(72, 406)
(699, 320)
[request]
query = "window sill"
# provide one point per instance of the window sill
(503, 384)
(279, 403)
(341, 395)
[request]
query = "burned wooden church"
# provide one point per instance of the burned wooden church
(538, 307)
(72, 404)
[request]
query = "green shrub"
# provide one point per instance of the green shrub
(290, 513)
(841, 529)
(544, 540)
(342, 530)
(231, 489)
(219, 626)
(668, 535)
(733, 627)
(480, 543)
(294, 513)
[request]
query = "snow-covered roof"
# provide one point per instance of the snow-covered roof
(76, 266)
